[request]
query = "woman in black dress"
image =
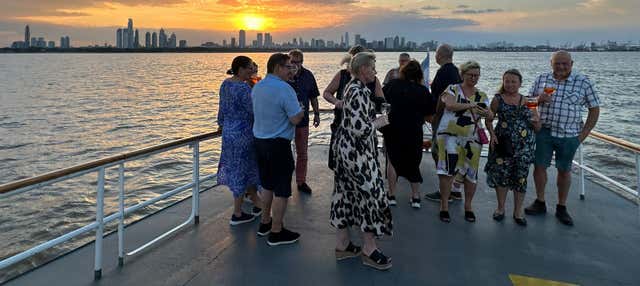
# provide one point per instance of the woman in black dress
(410, 105)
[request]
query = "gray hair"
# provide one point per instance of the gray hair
(470, 65)
(360, 60)
(445, 50)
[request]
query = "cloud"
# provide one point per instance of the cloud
(480, 11)
(430, 7)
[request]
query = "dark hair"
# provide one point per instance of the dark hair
(511, 72)
(404, 55)
(296, 53)
(239, 62)
(277, 59)
(412, 71)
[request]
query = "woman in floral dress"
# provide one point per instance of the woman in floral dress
(512, 145)
(238, 168)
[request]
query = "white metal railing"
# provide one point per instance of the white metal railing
(626, 145)
(100, 166)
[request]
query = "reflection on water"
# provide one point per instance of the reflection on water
(63, 109)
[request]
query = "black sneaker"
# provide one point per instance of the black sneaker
(536, 208)
(264, 229)
(392, 200)
(285, 236)
(256, 211)
(435, 197)
(563, 216)
(304, 188)
(455, 196)
(243, 218)
(415, 203)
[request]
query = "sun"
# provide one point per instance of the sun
(253, 22)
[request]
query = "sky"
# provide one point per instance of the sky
(458, 22)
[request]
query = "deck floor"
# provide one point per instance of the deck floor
(601, 249)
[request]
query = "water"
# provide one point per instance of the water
(59, 110)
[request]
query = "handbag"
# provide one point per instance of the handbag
(482, 134)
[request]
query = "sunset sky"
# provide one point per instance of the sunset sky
(471, 21)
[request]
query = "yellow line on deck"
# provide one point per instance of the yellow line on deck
(519, 280)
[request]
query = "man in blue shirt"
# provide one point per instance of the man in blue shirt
(276, 113)
(304, 83)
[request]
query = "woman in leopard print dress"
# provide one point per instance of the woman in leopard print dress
(359, 199)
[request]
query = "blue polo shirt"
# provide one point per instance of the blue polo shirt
(274, 102)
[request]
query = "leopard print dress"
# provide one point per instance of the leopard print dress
(359, 199)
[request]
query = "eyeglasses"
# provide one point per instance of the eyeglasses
(472, 75)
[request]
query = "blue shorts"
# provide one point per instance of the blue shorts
(564, 148)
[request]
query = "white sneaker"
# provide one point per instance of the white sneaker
(415, 203)
(392, 200)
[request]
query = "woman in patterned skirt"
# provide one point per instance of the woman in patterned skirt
(359, 199)
(458, 139)
(238, 168)
(512, 145)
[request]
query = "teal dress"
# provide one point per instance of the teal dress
(511, 171)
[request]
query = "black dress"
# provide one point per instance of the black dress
(410, 103)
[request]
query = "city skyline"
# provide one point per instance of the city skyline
(458, 22)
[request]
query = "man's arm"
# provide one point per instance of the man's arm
(316, 111)
(592, 119)
(296, 119)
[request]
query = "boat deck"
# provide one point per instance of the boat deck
(601, 249)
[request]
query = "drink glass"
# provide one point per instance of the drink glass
(532, 102)
(386, 107)
(549, 88)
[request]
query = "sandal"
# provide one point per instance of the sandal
(444, 216)
(520, 221)
(376, 260)
(349, 252)
(498, 216)
(469, 216)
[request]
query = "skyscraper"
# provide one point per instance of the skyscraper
(183, 44)
(34, 42)
(51, 45)
(346, 39)
(154, 40)
(268, 40)
(402, 42)
(396, 42)
(259, 39)
(357, 40)
(119, 35)
(162, 39)
(147, 40)
(130, 38)
(27, 36)
(242, 39)
(233, 42)
(172, 41)
(136, 40)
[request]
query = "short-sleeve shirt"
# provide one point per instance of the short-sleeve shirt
(306, 88)
(563, 115)
(274, 102)
(461, 123)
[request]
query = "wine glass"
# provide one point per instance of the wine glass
(549, 88)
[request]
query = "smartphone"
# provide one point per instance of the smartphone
(483, 105)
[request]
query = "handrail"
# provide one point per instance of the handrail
(12, 186)
(616, 141)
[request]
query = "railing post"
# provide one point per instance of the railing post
(638, 176)
(581, 154)
(121, 214)
(97, 274)
(195, 198)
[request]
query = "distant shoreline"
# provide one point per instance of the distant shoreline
(98, 50)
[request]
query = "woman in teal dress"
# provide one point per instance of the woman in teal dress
(512, 145)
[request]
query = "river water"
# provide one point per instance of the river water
(58, 110)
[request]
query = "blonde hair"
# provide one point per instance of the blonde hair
(470, 65)
(352, 52)
(360, 60)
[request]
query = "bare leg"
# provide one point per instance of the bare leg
(237, 206)
(415, 190)
(445, 191)
(392, 177)
(253, 195)
(469, 191)
(564, 184)
(342, 238)
(279, 208)
(518, 198)
(369, 243)
(540, 179)
(501, 194)
(267, 198)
